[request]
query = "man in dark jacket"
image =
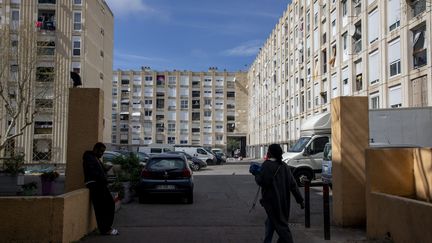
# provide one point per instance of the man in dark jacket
(96, 181)
(277, 182)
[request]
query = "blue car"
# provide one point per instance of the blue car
(166, 174)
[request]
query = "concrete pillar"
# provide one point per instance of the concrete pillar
(85, 128)
(350, 138)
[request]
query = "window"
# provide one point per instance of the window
(148, 78)
(148, 102)
(344, 8)
(230, 94)
(196, 116)
(373, 26)
(334, 82)
(195, 93)
(374, 101)
(147, 113)
(395, 96)
(184, 104)
(345, 82)
(77, 2)
(45, 74)
(171, 140)
(394, 57)
(77, 21)
(171, 127)
(393, 14)
(317, 145)
(373, 67)
(207, 113)
(76, 46)
(419, 47)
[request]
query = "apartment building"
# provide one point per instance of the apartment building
(65, 36)
(179, 107)
(323, 49)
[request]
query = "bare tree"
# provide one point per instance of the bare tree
(21, 97)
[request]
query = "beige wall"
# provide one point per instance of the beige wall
(64, 218)
(84, 130)
(396, 193)
(423, 173)
(350, 134)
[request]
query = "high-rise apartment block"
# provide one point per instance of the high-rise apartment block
(179, 107)
(67, 36)
(323, 49)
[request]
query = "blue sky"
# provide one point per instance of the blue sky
(191, 34)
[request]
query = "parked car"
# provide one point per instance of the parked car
(166, 174)
(194, 162)
(143, 157)
(221, 157)
(198, 152)
(326, 174)
(109, 156)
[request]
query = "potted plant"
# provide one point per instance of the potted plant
(47, 179)
(12, 175)
(29, 189)
(129, 174)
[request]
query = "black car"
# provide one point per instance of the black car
(166, 174)
(194, 162)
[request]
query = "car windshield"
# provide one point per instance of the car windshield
(166, 164)
(299, 146)
(142, 155)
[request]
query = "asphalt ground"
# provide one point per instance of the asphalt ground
(220, 213)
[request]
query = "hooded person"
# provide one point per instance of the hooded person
(277, 182)
(95, 179)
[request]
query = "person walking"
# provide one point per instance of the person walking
(96, 181)
(277, 181)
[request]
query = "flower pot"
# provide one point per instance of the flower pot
(47, 186)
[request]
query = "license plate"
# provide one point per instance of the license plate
(165, 187)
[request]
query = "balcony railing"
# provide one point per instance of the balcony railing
(419, 58)
(357, 46)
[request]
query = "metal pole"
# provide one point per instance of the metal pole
(307, 202)
(326, 210)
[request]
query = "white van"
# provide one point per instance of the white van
(199, 152)
(153, 149)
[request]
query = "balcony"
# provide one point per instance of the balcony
(45, 74)
(417, 7)
(419, 58)
(46, 21)
(43, 127)
(357, 46)
(47, 1)
(46, 48)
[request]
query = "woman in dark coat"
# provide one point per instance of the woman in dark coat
(277, 182)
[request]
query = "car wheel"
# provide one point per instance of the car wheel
(195, 166)
(189, 197)
(302, 174)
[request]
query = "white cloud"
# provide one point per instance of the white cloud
(126, 7)
(246, 49)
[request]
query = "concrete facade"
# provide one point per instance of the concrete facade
(178, 107)
(86, 109)
(78, 36)
(324, 49)
(64, 218)
(350, 138)
(398, 194)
